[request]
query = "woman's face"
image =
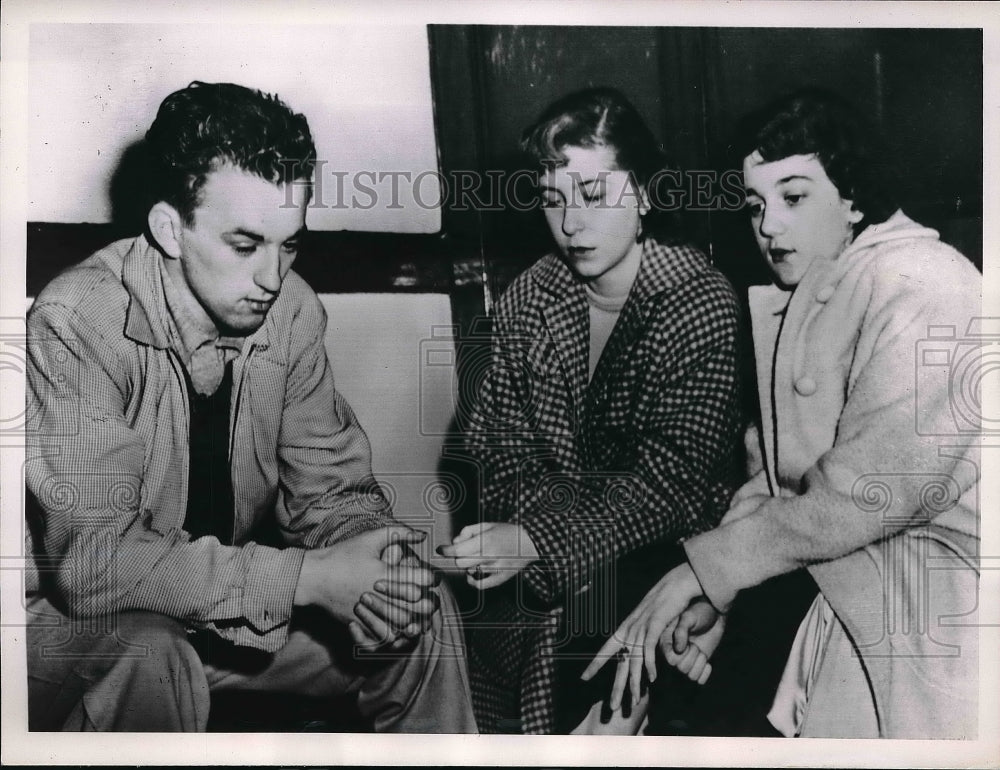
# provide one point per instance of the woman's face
(593, 210)
(797, 213)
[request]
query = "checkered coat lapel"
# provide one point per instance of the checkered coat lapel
(564, 318)
(661, 268)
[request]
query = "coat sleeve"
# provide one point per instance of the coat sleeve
(897, 462)
(84, 469)
(502, 434)
(673, 478)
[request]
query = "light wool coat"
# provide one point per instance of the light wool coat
(866, 374)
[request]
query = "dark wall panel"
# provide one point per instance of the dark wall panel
(922, 86)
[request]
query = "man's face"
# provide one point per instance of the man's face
(240, 245)
(797, 213)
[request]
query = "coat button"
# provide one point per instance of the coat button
(824, 294)
(805, 386)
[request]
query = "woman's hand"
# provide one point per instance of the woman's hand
(744, 507)
(689, 642)
(635, 641)
(491, 553)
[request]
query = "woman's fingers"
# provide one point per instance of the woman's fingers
(652, 643)
(682, 631)
(468, 532)
(687, 661)
(608, 651)
(621, 678)
(471, 531)
(705, 674)
(471, 546)
(636, 662)
(660, 619)
(649, 654)
(700, 661)
(488, 575)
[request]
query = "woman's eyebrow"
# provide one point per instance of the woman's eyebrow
(793, 177)
(601, 177)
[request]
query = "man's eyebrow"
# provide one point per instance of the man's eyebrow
(247, 234)
(242, 231)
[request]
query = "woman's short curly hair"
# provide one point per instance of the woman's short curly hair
(207, 125)
(821, 123)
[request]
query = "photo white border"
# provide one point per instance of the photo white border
(20, 747)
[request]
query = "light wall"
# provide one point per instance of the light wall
(392, 357)
(94, 90)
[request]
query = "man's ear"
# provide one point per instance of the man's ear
(166, 227)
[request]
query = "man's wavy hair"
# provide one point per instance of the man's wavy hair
(821, 123)
(205, 126)
(602, 117)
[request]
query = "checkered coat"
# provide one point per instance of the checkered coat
(645, 453)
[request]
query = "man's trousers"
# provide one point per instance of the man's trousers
(142, 671)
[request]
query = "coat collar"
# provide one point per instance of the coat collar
(778, 316)
(662, 267)
(773, 299)
(147, 317)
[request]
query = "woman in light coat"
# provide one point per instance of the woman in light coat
(868, 366)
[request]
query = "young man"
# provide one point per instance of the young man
(185, 413)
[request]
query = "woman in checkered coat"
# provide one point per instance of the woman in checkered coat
(606, 427)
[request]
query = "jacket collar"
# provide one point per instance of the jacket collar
(774, 299)
(661, 268)
(147, 318)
